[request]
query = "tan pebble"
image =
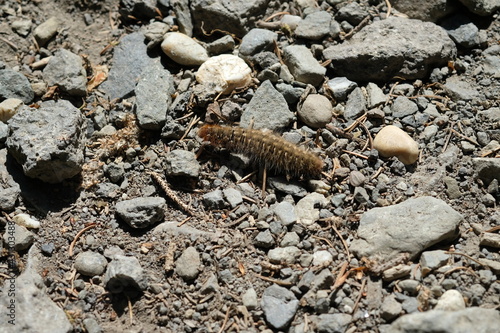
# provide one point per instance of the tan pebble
(26, 221)
(393, 141)
(225, 73)
(8, 108)
(183, 49)
(451, 300)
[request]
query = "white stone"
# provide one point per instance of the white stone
(26, 221)
(393, 141)
(8, 108)
(451, 300)
(306, 210)
(322, 257)
(183, 49)
(225, 73)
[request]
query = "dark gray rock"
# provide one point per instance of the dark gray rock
(279, 305)
(182, 163)
(403, 107)
(187, 265)
(333, 323)
(380, 51)
(462, 30)
(123, 272)
(264, 239)
(153, 96)
(487, 169)
(267, 109)
(91, 325)
(353, 13)
(15, 85)
(293, 188)
(90, 263)
(256, 41)
(355, 105)
(141, 212)
(33, 310)
(292, 94)
(469, 320)
(140, 9)
(431, 260)
(65, 69)
(383, 232)
(221, 45)
(341, 87)
(376, 96)
(303, 66)
(183, 16)
(115, 172)
(314, 26)
(232, 16)
(233, 196)
(390, 308)
(129, 59)
(214, 199)
(49, 141)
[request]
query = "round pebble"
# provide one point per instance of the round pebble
(451, 300)
(225, 72)
(316, 111)
(183, 49)
(90, 263)
(321, 258)
(393, 141)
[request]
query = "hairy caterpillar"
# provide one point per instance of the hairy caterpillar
(265, 148)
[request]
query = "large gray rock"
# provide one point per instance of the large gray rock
(65, 69)
(257, 40)
(31, 309)
(232, 16)
(381, 51)
(314, 26)
(464, 321)
(411, 226)
(49, 141)
(129, 59)
(153, 96)
(141, 212)
(267, 109)
(279, 305)
(15, 85)
(124, 272)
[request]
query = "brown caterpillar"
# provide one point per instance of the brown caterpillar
(265, 148)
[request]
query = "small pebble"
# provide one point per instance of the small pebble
(90, 263)
(45, 31)
(224, 73)
(188, 263)
(393, 141)
(8, 108)
(451, 300)
(316, 111)
(183, 49)
(27, 221)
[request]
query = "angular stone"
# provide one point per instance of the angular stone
(141, 212)
(303, 66)
(279, 305)
(15, 85)
(187, 265)
(65, 69)
(123, 272)
(411, 226)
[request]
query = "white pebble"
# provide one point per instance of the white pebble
(321, 258)
(393, 141)
(8, 108)
(226, 72)
(183, 49)
(451, 300)
(26, 221)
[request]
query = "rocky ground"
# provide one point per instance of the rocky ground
(117, 217)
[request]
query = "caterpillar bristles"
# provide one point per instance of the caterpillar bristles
(266, 148)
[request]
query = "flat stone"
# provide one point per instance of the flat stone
(341, 87)
(141, 212)
(214, 199)
(256, 41)
(284, 255)
(462, 30)
(49, 141)
(384, 232)
(153, 96)
(460, 90)
(403, 107)
(187, 265)
(307, 208)
(356, 104)
(267, 109)
(249, 299)
(376, 96)
(333, 322)
(285, 212)
(130, 57)
(379, 51)
(490, 239)
(279, 305)
(303, 66)
(314, 26)
(431, 260)
(468, 320)
(481, 7)
(233, 196)
(124, 272)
